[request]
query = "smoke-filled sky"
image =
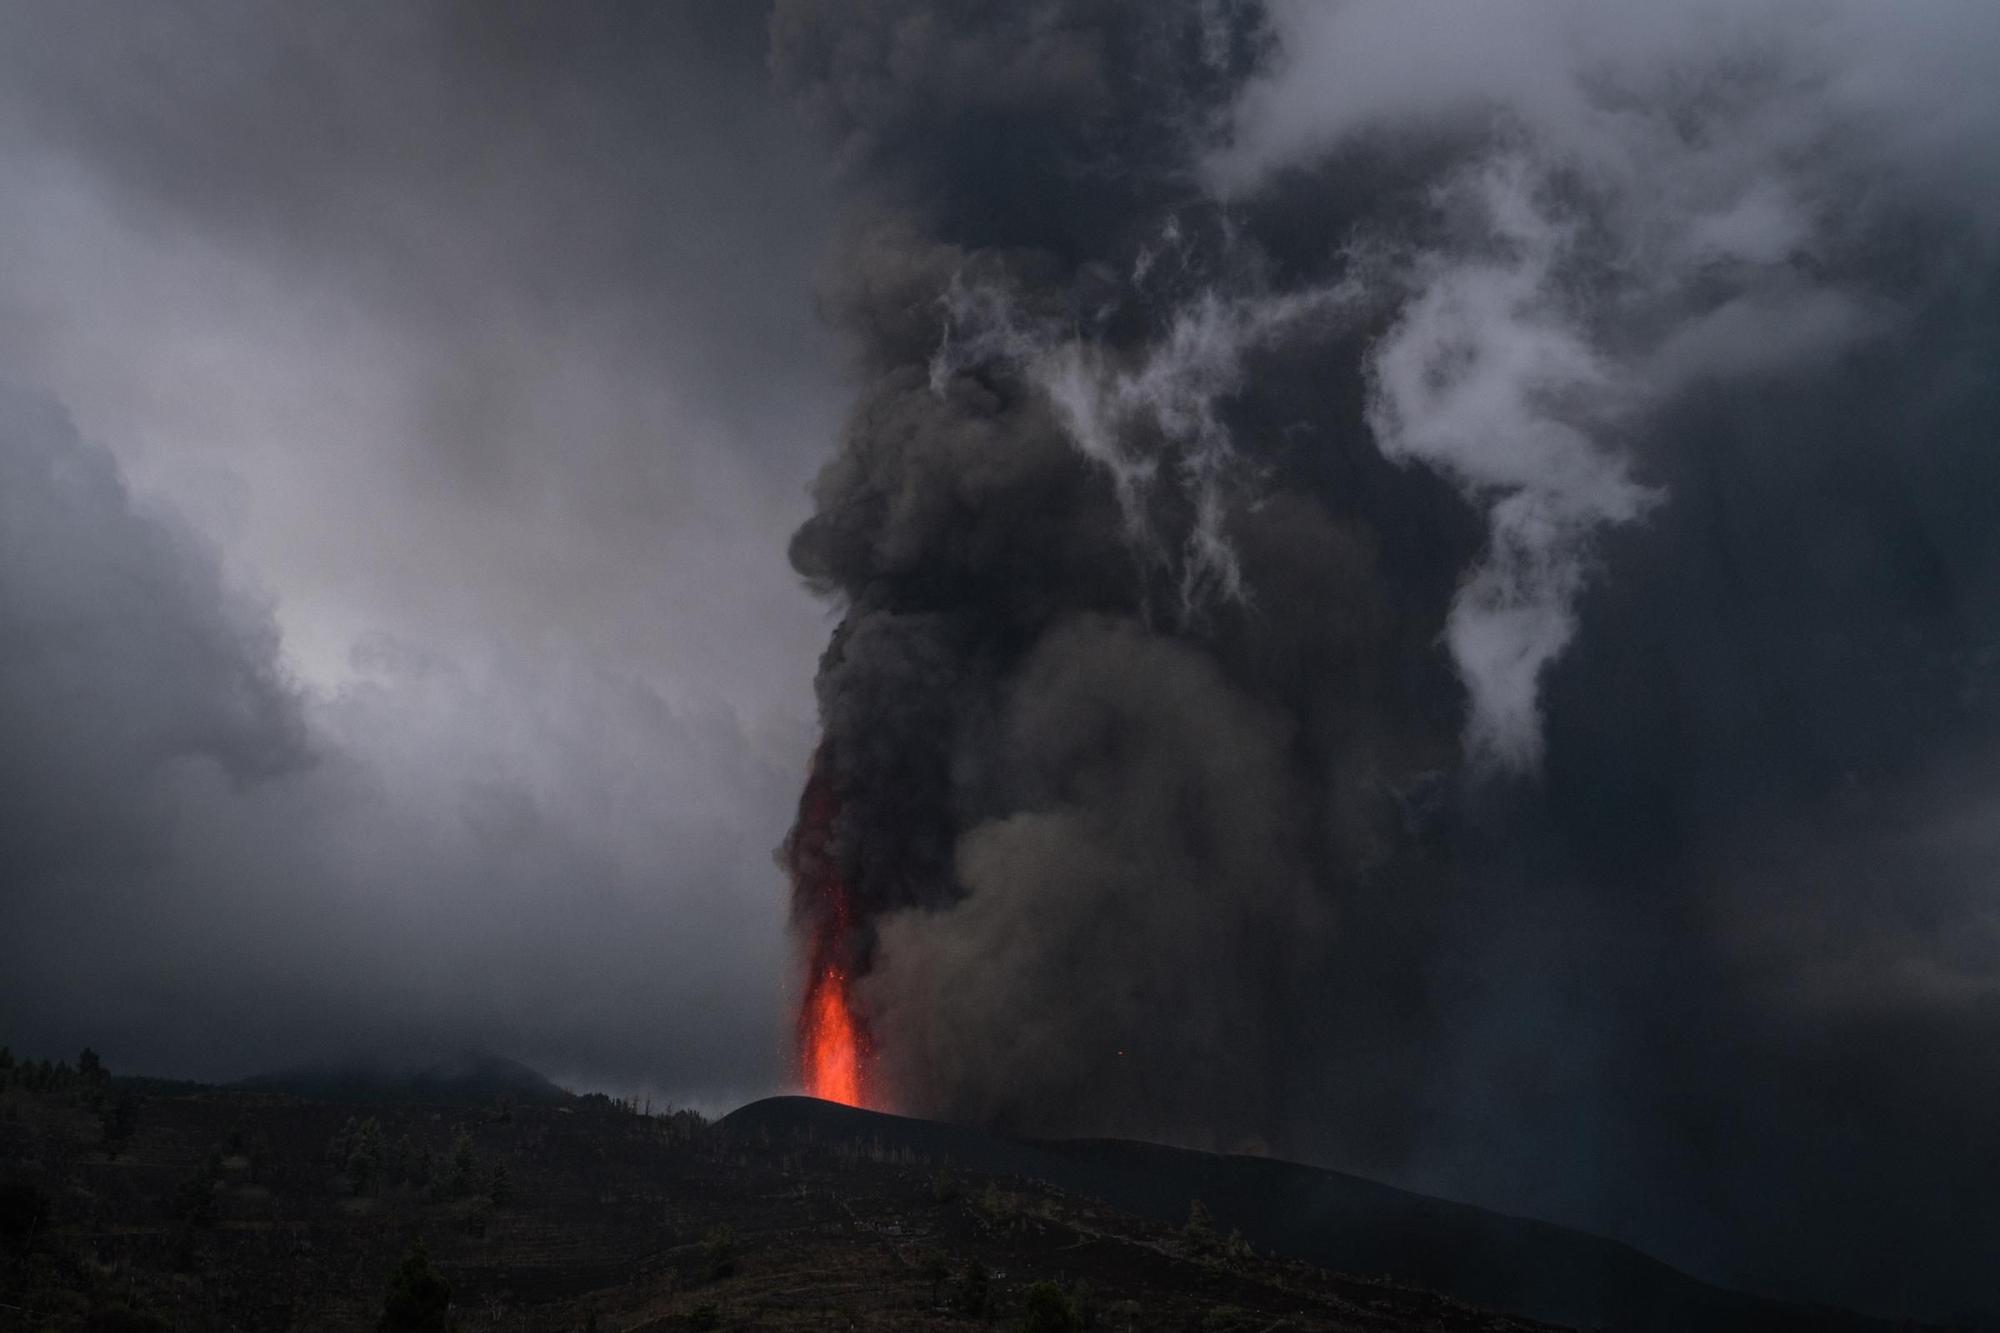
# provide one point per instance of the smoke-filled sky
(1413, 585)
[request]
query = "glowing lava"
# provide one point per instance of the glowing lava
(830, 1041)
(833, 1046)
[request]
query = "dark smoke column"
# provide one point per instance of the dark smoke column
(1127, 695)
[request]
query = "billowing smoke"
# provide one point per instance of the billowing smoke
(1419, 587)
(1073, 712)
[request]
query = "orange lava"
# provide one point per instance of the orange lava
(830, 1041)
(833, 1044)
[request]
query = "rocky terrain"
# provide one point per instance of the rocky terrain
(127, 1205)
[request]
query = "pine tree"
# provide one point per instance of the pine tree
(418, 1299)
(500, 1185)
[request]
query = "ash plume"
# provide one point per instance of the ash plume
(1367, 545)
(1073, 712)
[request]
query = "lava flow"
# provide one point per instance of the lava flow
(832, 1041)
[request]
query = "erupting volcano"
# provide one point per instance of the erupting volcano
(833, 1044)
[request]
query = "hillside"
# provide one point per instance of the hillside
(1340, 1222)
(224, 1209)
(148, 1206)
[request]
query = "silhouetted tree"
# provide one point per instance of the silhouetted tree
(1200, 1233)
(341, 1145)
(418, 1299)
(424, 1172)
(500, 1185)
(401, 1167)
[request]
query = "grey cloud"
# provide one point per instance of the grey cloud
(477, 342)
(446, 289)
(125, 653)
(210, 873)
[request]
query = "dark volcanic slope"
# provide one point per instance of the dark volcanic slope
(1338, 1221)
(211, 1210)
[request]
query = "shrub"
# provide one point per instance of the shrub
(718, 1251)
(935, 1269)
(500, 1185)
(24, 1212)
(194, 1200)
(973, 1291)
(1084, 1298)
(119, 1120)
(1050, 1311)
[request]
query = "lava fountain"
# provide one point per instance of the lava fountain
(833, 1045)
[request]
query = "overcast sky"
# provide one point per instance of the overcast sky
(468, 353)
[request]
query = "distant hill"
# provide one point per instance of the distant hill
(470, 1078)
(1341, 1222)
